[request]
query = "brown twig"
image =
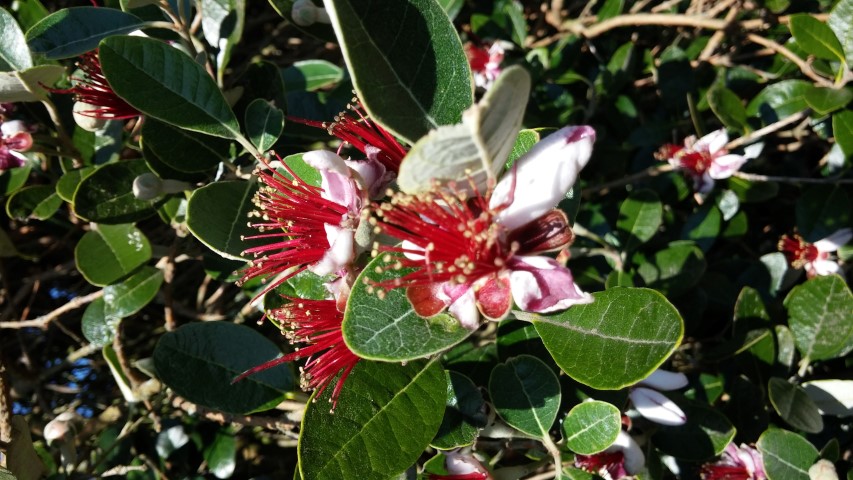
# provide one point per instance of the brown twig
(267, 423)
(799, 62)
(778, 125)
(769, 178)
(717, 37)
(44, 320)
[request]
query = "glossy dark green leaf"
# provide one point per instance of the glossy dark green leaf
(384, 326)
(106, 195)
(526, 394)
(74, 31)
(517, 338)
(218, 215)
(703, 226)
(221, 454)
(464, 415)
(816, 38)
(68, 182)
(29, 13)
(609, 9)
(753, 192)
(155, 77)
(131, 294)
(14, 53)
(821, 211)
(636, 325)
(38, 202)
(728, 108)
(183, 150)
(13, 179)
(264, 124)
(839, 22)
(386, 416)
(98, 325)
(793, 404)
(108, 253)
(311, 75)
(640, 216)
(199, 360)
(592, 426)
(413, 86)
(675, 269)
(842, 128)
(827, 100)
(819, 317)
(781, 99)
(786, 455)
(704, 436)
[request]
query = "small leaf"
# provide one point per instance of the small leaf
(128, 297)
(110, 252)
(264, 123)
(409, 87)
(106, 195)
(793, 404)
(199, 360)
(787, 456)
(728, 108)
(819, 317)
(827, 100)
(637, 326)
(816, 38)
(590, 427)
(37, 202)
(221, 454)
(386, 327)
(311, 75)
(387, 413)
(839, 22)
(782, 99)
(675, 269)
(526, 394)
(640, 216)
(74, 31)
(218, 215)
(703, 226)
(13, 179)
(464, 415)
(14, 53)
(98, 325)
(68, 182)
(154, 77)
(842, 129)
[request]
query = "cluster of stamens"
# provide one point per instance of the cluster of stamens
(695, 161)
(94, 89)
(797, 251)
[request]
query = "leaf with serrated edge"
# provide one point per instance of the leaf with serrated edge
(478, 147)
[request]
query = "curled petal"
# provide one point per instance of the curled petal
(665, 380)
(834, 241)
(494, 299)
(463, 305)
(726, 165)
(824, 267)
(340, 252)
(542, 176)
(714, 141)
(633, 454)
(372, 172)
(656, 407)
(427, 300)
(540, 284)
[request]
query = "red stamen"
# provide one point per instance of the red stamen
(94, 89)
(797, 251)
(724, 472)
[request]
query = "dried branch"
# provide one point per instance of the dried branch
(43, 321)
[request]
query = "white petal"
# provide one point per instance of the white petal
(11, 127)
(465, 310)
(754, 150)
(725, 166)
(542, 176)
(633, 454)
(834, 241)
(656, 407)
(665, 380)
(340, 252)
(825, 267)
(326, 160)
(714, 141)
(409, 245)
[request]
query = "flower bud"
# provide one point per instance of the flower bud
(85, 120)
(304, 13)
(147, 186)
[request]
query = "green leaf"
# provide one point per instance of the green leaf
(591, 426)
(199, 360)
(827, 100)
(222, 24)
(703, 226)
(783, 98)
(839, 22)
(221, 454)
(842, 128)
(820, 211)
(386, 416)
(29, 85)
(526, 394)
(218, 215)
(154, 77)
(106, 195)
(636, 325)
(14, 53)
(477, 148)
(819, 317)
(183, 150)
(640, 216)
(610, 9)
(311, 75)
(452, 7)
(68, 182)
(13, 179)
(409, 87)
(98, 325)
(320, 30)
(107, 253)
(74, 31)
(728, 108)
(705, 435)
(786, 455)
(385, 326)
(464, 414)
(37, 202)
(793, 404)
(264, 123)
(128, 297)
(675, 269)
(523, 143)
(816, 38)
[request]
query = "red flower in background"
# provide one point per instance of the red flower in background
(93, 93)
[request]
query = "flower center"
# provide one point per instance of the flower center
(798, 251)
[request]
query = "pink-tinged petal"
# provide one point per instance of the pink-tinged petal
(340, 253)
(337, 182)
(540, 284)
(464, 306)
(11, 127)
(10, 158)
(21, 141)
(427, 300)
(834, 241)
(374, 175)
(823, 267)
(656, 407)
(713, 142)
(460, 464)
(634, 460)
(665, 380)
(703, 184)
(725, 166)
(542, 176)
(494, 299)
